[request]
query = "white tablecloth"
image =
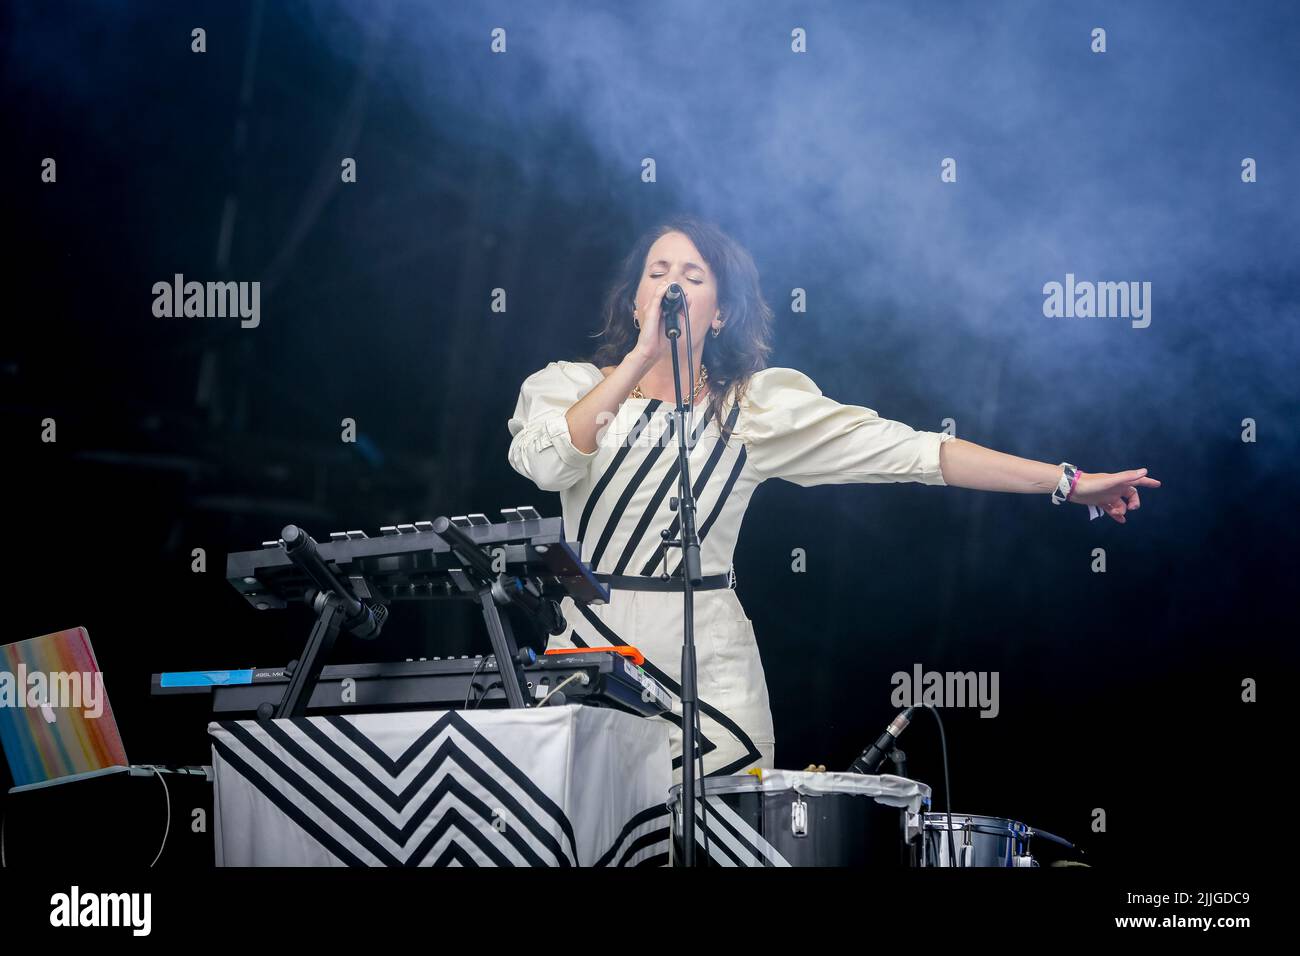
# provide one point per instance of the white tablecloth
(553, 786)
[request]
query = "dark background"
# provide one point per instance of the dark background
(1119, 691)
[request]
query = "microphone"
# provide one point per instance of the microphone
(870, 759)
(670, 309)
(359, 618)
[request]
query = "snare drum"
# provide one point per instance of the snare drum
(977, 840)
(794, 818)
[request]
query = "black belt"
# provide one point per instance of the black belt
(643, 582)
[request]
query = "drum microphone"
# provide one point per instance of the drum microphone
(869, 760)
(671, 309)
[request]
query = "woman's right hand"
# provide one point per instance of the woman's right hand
(652, 344)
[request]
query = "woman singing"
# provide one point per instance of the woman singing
(602, 434)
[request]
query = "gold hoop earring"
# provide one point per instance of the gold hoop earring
(636, 320)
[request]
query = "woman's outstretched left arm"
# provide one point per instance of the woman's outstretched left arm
(967, 465)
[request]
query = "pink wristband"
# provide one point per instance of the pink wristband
(1073, 482)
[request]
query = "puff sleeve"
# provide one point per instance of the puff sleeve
(792, 431)
(541, 448)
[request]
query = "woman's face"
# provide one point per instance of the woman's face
(674, 258)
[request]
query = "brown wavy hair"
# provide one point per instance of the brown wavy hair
(738, 351)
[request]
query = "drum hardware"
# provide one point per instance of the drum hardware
(986, 841)
(981, 836)
(799, 817)
(899, 759)
(886, 744)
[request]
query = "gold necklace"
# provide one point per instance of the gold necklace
(699, 384)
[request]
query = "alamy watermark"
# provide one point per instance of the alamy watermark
(208, 300)
(662, 436)
(133, 911)
(946, 689)
(1101, 300)
(46, 691)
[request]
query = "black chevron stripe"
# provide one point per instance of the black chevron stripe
(379, 788)
(645, 816)
(450, 785)
(448, 751)
(291, 777)
(395, 767)
(455, 853)
(612, 469)
(616, 514)
(646, 840)
(736, 469)
(722, 848)
(740, 762)
(701, 481)
(521, 779)
(485, 746)
(286, 806)
(657, 499)
(453, 818)
(706, 746)
(717, 822)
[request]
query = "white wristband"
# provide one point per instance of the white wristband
(1063, 487)
(1065, 483)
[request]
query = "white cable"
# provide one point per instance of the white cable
(561, 685)
(168, 798)
(4, 819)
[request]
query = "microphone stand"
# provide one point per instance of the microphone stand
(689, 542)
(335, 606)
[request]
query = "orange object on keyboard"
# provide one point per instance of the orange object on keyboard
(626, 650)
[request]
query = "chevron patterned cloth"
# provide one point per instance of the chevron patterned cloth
(554, 786)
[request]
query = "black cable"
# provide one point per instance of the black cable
(478, 701)
(470, 689)
(947, 787)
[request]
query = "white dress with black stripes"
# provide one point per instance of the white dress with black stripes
(615, 500)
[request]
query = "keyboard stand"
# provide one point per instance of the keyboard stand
(306, 671)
